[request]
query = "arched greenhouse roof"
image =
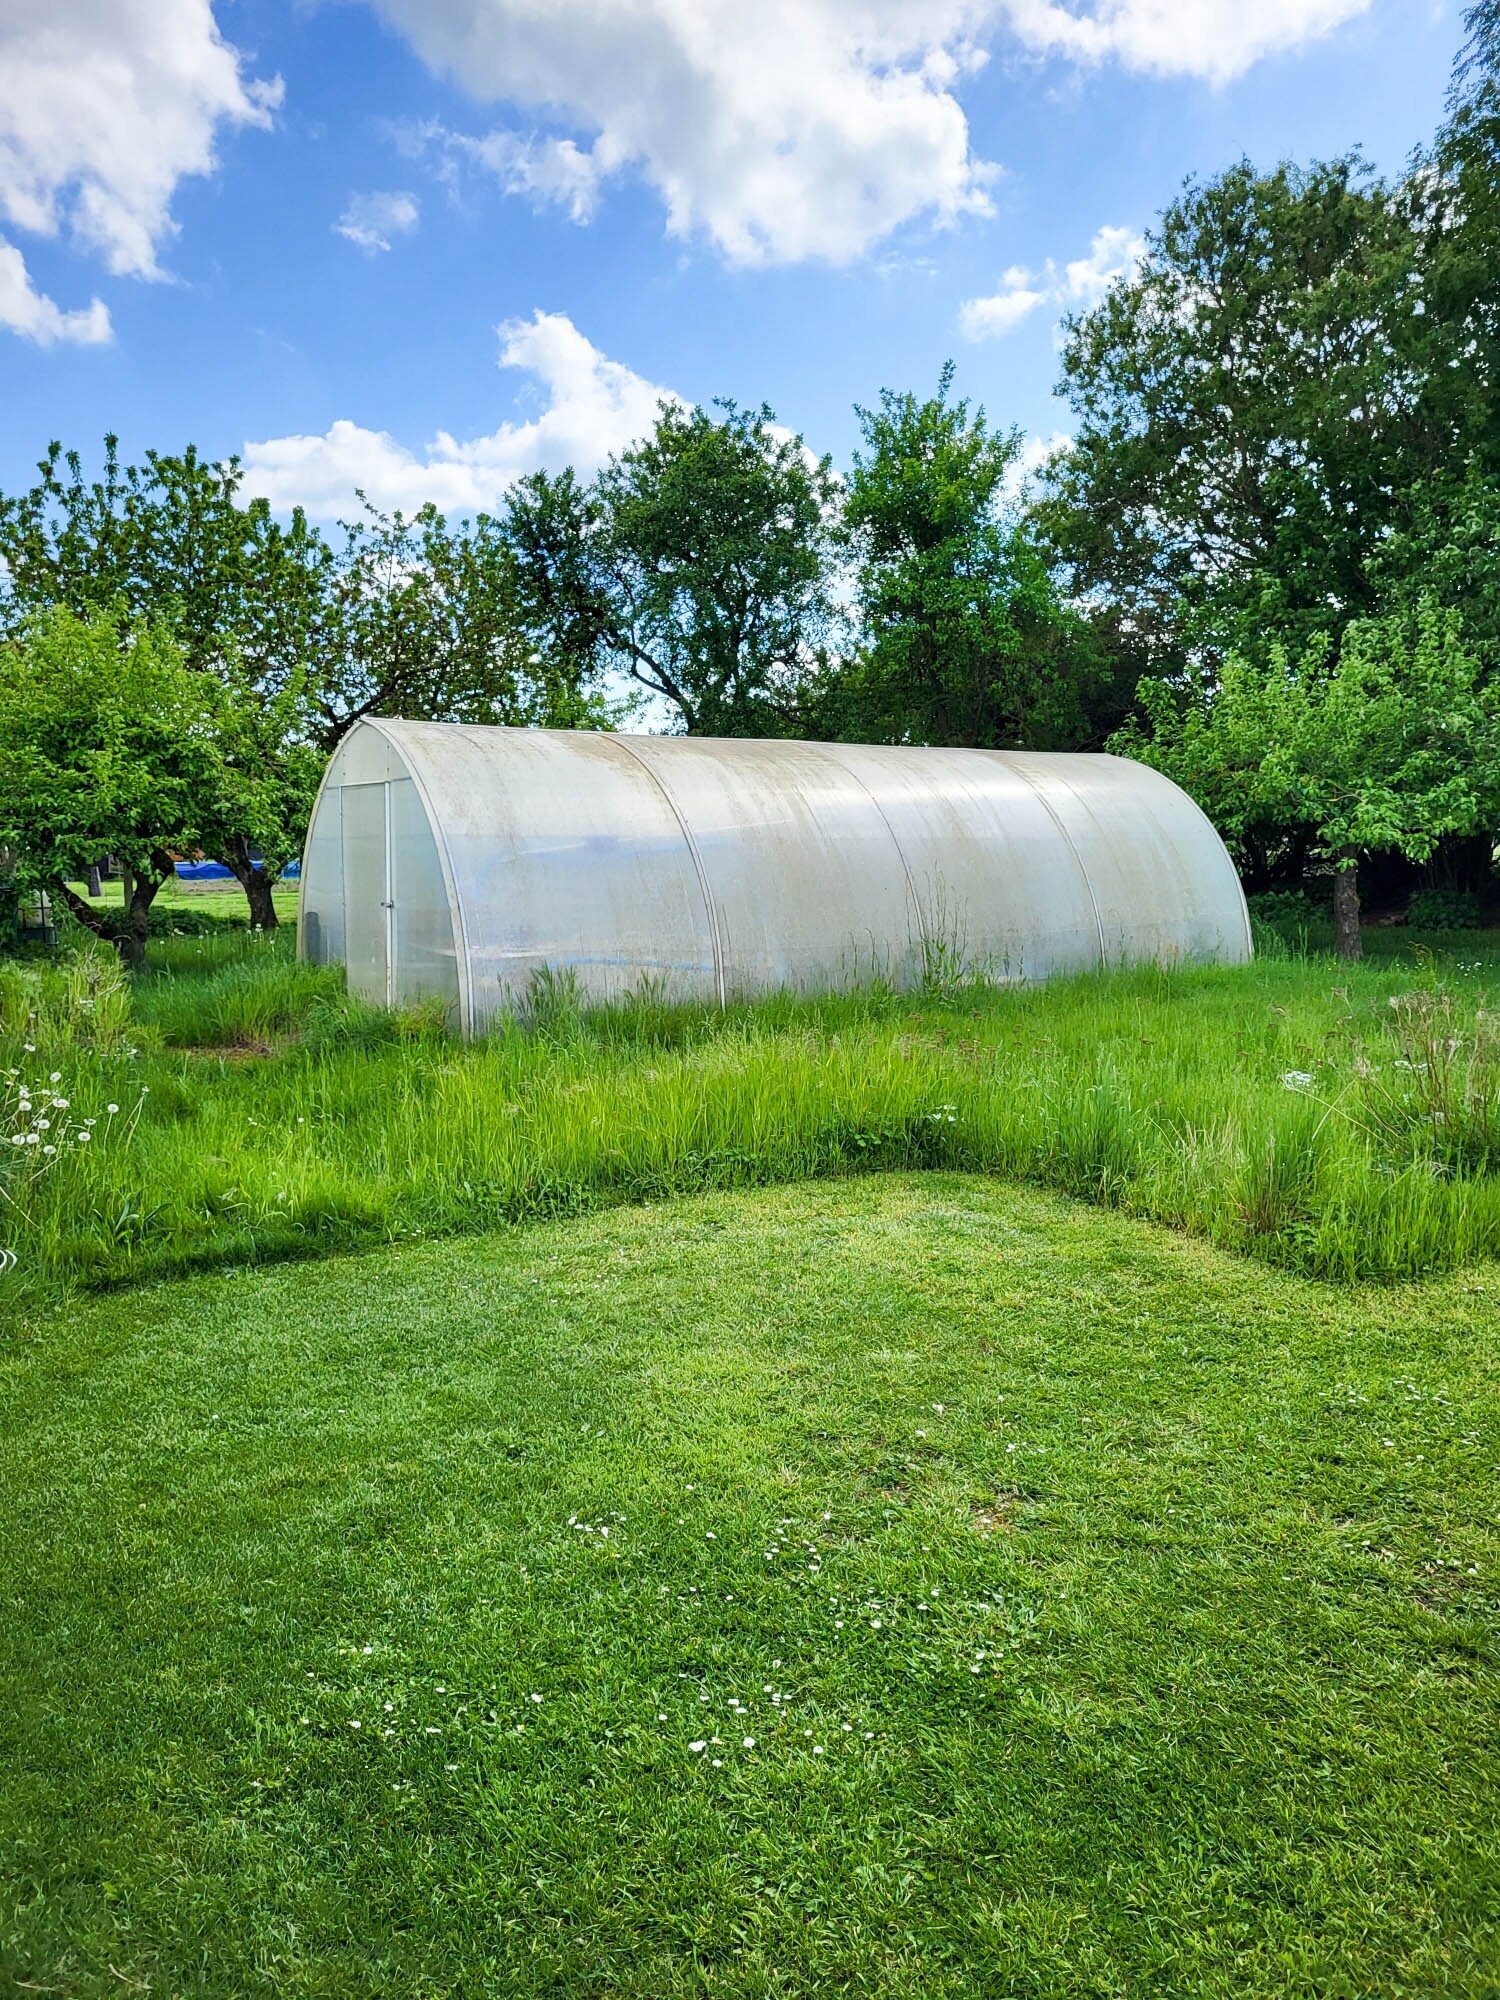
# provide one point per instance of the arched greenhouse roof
(467, 861)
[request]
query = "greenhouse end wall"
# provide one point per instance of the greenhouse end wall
(464, 862)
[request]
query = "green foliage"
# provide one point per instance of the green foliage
(554, 528)
(429, 625)
(81, 1003)
(1444, 910)
(245, 599)
(1258, 409)
(962, 635)
(1392, 744)
(109, 743)
(712, 550)
(170, 544)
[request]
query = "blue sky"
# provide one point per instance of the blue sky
(424, 245)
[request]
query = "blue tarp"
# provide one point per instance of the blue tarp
(215, 871)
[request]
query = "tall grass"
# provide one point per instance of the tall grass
(1343, 1122)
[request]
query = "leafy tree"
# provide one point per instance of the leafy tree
(563, 606)
(1455, 199)
(246, 599)
(1390, 742)
(1254, 412)
(410, 616)
(709, 542)
(110, 742)
(962, 635)
(428, 624)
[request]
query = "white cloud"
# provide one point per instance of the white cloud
(1214, 39)
(545, 170)
(791, 129)
(32, 314)
(1113, 254)
(104, 106)
(372, 221)
(1029, 461)
(592, 406)
(780, 129)
(1018, 296)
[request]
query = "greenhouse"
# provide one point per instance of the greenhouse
(469, 862)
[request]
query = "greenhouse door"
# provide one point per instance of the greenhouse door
(369, 907)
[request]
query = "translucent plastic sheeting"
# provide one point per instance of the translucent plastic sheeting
(467, 862)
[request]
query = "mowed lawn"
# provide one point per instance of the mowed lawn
(904, 1586)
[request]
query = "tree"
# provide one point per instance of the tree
(554, 527)
(246, 599)
(428, 625)
(708, 542)
(962, 635)
(109, 742)
(1390, 742)
(1455, 194)
(411, 616)
(1256, 406)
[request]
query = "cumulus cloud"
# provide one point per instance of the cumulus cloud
(1214, 39)
(104, 106)
(1113, 254)
(781, 130)
(25, 310)
(1017, 298)
(792, 129)
(372, 221)
(592, 406)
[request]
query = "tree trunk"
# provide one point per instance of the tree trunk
(258, 892)
(1346, 939)
(130, 940)
(257, 884)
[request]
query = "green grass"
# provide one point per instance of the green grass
(1140, 1600)
(224, 900)
(1339, 1121)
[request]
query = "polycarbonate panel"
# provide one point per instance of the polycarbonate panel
(567, 857)
(709, 868)
(366, 892)
(1164, 886)
(999, 893)
(807, 883)
(320, 889)
(426, 960)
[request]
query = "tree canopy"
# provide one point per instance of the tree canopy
(961, 634)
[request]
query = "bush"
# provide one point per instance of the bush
(1282, 907)
(1444, 910)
